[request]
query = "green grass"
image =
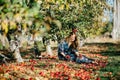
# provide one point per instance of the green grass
(113, 66)
(1, 47)
(113, 63)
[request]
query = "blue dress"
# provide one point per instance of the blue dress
(64, 47)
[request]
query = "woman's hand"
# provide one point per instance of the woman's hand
(80, 56)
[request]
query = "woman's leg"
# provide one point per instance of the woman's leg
(84, 59)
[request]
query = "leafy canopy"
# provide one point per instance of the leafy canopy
(43, 15)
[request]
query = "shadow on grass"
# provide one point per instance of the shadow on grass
(112, 48)
(113, 52)
(101, 44)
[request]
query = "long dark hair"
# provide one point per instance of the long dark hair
(74, 44)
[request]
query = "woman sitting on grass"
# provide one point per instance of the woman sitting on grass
(67, 50)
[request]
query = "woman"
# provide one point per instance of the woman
(67, 50)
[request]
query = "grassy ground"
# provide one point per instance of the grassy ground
(111, 50)
(107, 66)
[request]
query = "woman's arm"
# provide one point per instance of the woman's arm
(76, 52)
(61, 49)
(63, 54)
(78, 55)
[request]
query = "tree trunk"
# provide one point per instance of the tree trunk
(14, 46)
(48, 48)
(17, 55)
(5, 42)
(116, 27)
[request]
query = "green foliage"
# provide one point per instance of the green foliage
(1, 47)
(108, 27)
(87, 15)
(53, 15)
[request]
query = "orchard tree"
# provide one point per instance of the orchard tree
(116, 28)
(56, 17)
(86, 15)
(19, 18)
